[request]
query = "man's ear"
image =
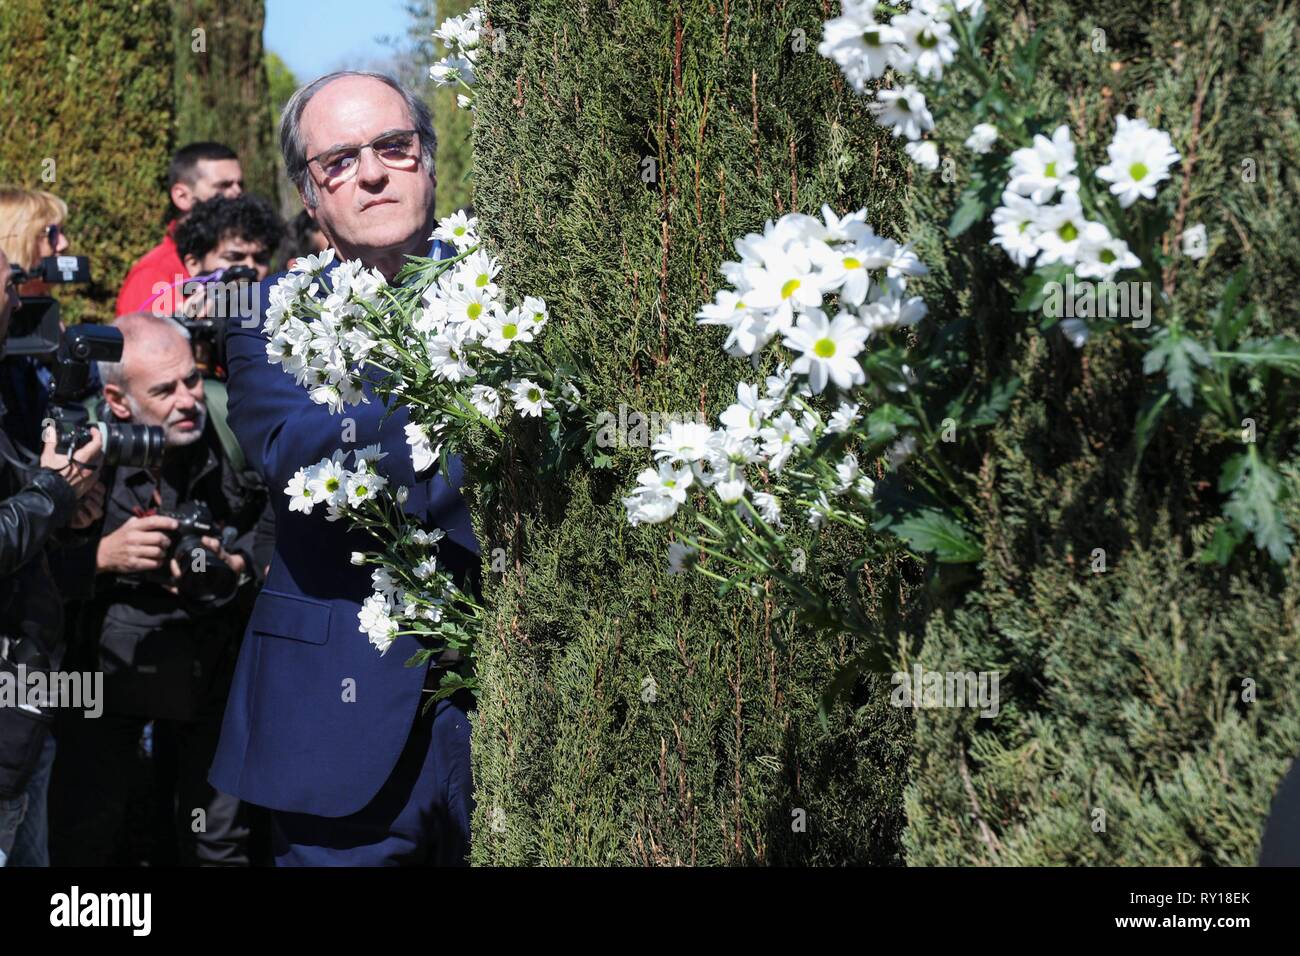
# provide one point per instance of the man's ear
(182, 197)
(116, 399)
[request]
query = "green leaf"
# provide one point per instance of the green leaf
(1146, 422)
(1279, 353)
(1255, 491)
(1177, 355)
(970, 210)
(885, 422)
(1228, 322)
(995, 403)
(934, 531)
(1035, 288)
(1224, 543)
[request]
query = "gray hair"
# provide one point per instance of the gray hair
(293, 145)
(112, 373)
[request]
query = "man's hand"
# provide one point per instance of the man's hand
(81, 470)
(139, 545)
(91, 508)
(235, 562)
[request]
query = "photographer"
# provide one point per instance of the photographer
(220, 240)
(37, 499)
(176, 581)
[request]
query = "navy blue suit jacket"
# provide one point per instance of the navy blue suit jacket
(293, 737)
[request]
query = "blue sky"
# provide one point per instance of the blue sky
(317, 36)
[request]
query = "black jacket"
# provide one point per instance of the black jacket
(163, 656)
(35, 504)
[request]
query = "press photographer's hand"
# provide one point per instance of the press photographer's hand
(82, 470)
(235, 562)
(140, 544)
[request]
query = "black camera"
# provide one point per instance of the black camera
(205, 579)
(34, 326)
(228, 296)
(137, 446)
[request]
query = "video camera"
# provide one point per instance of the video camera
(34, 326)
(228, 296)
(135, 446)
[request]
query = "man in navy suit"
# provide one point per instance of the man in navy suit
(319, 727)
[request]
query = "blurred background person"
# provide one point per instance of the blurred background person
(39, 496)
(197, 172)
(302, 238)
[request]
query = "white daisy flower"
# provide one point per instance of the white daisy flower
(903, 110)
(982, 138)
(828, 349)
(1040, 170)
(1140, 158)
(528, 397)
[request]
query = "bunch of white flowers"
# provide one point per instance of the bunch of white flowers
(410, 594)
(461, 36)
(335, 333)
(1032, 228)
(783, 281)
(784, 284)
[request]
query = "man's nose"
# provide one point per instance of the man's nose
(369, 168)
(234, 191)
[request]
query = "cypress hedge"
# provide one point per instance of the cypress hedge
(86, 113)
(1149, 702)
(626, 716)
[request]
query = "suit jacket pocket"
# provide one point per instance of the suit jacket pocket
(292, 616)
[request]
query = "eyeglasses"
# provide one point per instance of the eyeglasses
(397, 149)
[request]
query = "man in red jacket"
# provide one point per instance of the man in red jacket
(198, 171)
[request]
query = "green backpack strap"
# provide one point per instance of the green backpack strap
(214, 393)
(91, 405)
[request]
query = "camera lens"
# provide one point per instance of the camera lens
(135, 446)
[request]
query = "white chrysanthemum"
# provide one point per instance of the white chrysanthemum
(743, 418)
(313, 265)
(447, 357)
(301, 495)
(684, 441)
(479, 271)
(860, 46)
(928, 44)
(487, 400)
(1060, 228)
(781, 438)
(363, 486)
(828, 349)
(1101, 255)
(1040, 170)
(925, 154)
(768, 506)
(375, 619)
(506, 328)
(1140, 158)
(982, 138)
(457, 229)
(843, 418)
(422, 454)
(1015, 227)
(903, 110)
(528, 397)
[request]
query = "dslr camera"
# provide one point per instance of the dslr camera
(134, 446)
(205, 579)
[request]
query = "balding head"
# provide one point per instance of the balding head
(157, 381)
